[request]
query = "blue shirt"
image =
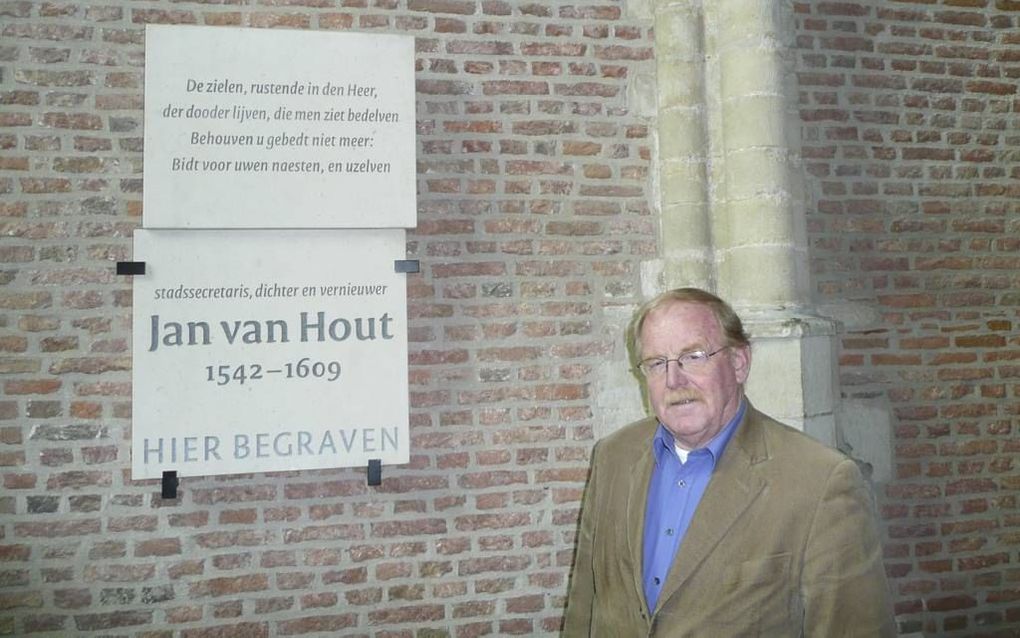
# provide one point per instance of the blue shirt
(673, 495)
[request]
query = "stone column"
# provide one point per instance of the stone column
(683, 145)
(761, 238)
(732, 199)
(732, 210)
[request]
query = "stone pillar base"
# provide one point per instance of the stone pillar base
(793, 371)
(794, 380)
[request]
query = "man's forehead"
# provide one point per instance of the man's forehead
(681, 320)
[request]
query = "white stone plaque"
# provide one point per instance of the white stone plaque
(259, 352)
(259, 128)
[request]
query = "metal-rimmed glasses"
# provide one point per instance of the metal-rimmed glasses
(653, 367)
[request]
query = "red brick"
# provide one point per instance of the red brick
(112, 620)
(317, 623)
(158, 547)
(228, 586)
(239, 630)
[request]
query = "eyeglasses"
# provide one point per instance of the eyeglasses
(690, 361)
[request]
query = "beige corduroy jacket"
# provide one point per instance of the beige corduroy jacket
(783, 544)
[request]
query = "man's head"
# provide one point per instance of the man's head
(693, 402)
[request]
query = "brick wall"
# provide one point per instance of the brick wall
(912, 146)
(533, 216)
(534, 213)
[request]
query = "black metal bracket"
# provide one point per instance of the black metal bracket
(406, 265)
(169, 485)
(374, 472)
(130, 267)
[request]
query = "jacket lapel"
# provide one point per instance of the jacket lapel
(637, 496)
(732, 489)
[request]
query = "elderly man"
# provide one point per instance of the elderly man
(713, 520)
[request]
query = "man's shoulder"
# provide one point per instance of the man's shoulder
(784, 441)
(630, 440)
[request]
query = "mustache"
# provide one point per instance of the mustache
(677, 397)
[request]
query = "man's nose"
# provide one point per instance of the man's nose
(675, 376)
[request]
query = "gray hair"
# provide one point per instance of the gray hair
(729, 322)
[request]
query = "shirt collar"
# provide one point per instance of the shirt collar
(663, 443)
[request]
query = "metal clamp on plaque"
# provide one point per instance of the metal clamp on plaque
(374, 472)
(169, 484)
(406, 265)
(130, 267)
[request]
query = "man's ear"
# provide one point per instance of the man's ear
(741, 358)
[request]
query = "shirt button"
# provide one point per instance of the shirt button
(682, 483)
(669, 532)
(657, 581)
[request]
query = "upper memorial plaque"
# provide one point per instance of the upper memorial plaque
(253, 128)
